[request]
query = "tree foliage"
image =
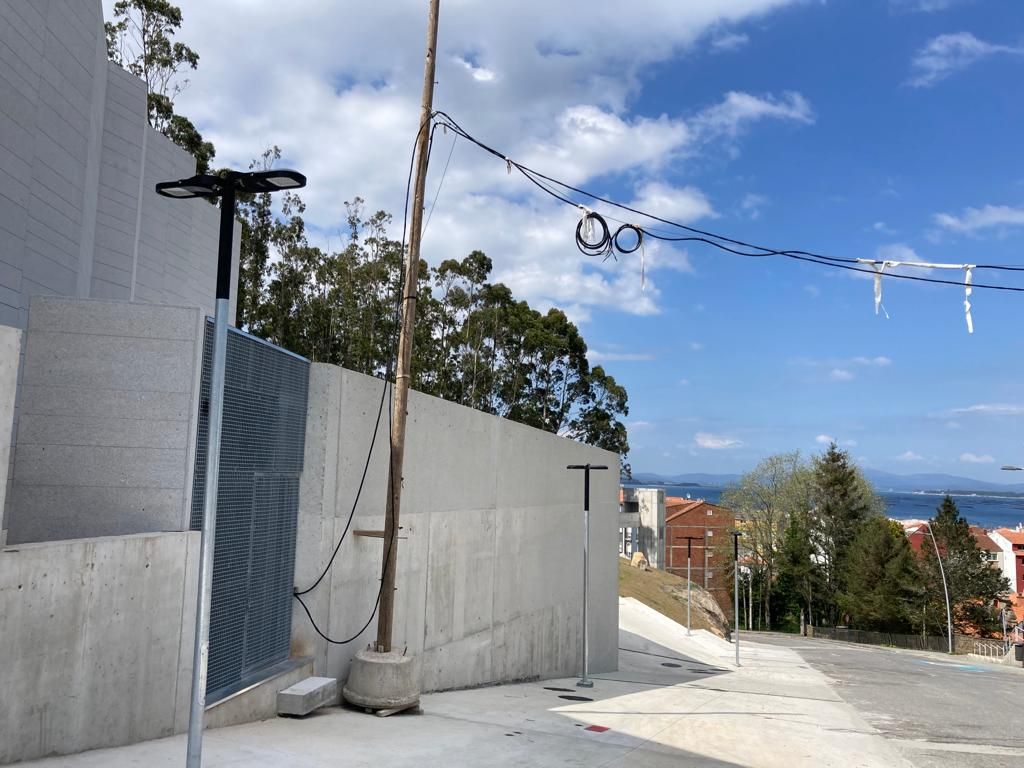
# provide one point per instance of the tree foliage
(975, 588)
(881, 584)
(764, 500)
(140, 40)
(843, 502)
(475, 343)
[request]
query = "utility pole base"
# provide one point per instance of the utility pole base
(383, 681)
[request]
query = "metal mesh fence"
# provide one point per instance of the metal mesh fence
(262, 444)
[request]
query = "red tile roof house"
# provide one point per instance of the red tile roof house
(1011, 543)
(710, 551)
(997, 553)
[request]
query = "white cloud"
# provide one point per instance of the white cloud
(970, 458)
(944, 55)
(813, 290)
(924, 6)
(682, 204)
(340, 96)
(684, 382)
(716, 442)
(900, 252)
(738, 110)
(729, 41)
(986, 217)
(640, 424)
(874, 362)
(752, 204)
(910, 456)
(992, 409)
(596, 356)
(696, 346)
(952, 424)
(824, 439)
(849, 443)
(840, 374)
(480, 74)
(883, 228)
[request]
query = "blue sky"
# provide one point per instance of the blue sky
(860, 128)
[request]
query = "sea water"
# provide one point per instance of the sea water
(988, 511)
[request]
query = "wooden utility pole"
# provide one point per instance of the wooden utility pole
(405, 339)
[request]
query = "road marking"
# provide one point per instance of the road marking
(950, 665)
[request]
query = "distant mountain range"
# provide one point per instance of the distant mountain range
(883, 481)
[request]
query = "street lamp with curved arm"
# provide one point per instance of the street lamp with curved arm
(945, 587)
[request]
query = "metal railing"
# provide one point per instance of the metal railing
(892, 639)
(992, 649)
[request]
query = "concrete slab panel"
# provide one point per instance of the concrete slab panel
(79, 617)
(109, 362)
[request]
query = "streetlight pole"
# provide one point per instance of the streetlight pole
(945, 588)
(689, 541)
(225, 186)
(585, 681)
(736, 589)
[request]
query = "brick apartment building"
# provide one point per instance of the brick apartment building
(711, 549)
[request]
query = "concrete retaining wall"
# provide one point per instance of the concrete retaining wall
(490, 559)
(97, 642)
(106, 436)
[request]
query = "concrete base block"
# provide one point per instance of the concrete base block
(307, 695)
(383, 680)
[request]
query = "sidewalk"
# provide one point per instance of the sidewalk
(675, 701)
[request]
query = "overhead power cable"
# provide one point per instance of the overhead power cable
(601, 247)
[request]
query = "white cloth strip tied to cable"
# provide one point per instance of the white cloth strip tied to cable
(643, 268)
(967, 297)
(588, 223)
(879, 269)
(881, 266)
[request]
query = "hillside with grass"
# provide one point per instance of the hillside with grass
(666, 593)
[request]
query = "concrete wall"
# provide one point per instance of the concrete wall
(97, 642)
(10, 356)
(106, 438)
(490, 559)
(79, 215)
(78, 163)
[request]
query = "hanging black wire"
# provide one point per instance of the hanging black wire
(722, 242)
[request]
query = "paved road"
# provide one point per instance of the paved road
(939, 711)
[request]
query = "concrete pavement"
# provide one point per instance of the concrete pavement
(675, 701)
(939, 711)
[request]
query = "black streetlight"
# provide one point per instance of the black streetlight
(585, 681)
(736, 588)
(225, 185)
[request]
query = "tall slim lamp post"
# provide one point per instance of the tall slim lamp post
(736, 589)
(224, 185)
(689, 542)
(585, 681)
(945, 587)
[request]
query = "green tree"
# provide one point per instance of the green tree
(975, 588)
(800, 575)
(844, 501)
(140, 40)
(764, 500)
(475, 344)
(881, 584)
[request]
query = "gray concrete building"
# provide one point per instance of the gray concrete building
(79, 216)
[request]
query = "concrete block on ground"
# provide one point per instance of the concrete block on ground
(307, 695)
